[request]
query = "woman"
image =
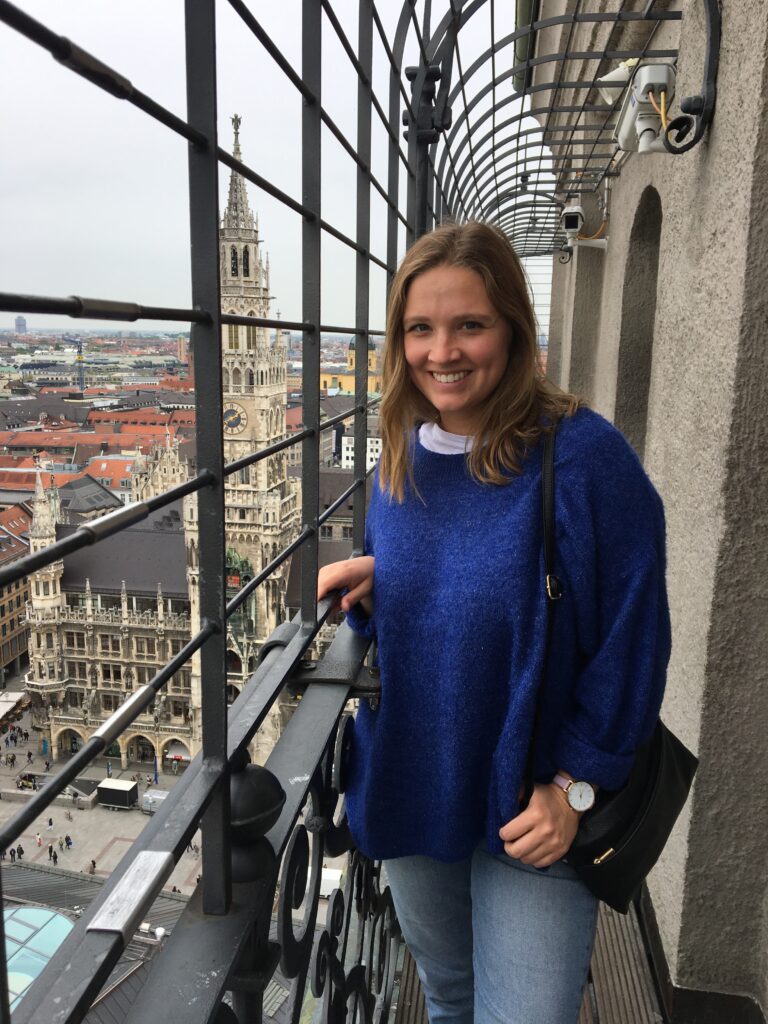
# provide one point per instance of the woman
(451, 586)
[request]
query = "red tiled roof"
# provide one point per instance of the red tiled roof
(15, 519)
(110, 472)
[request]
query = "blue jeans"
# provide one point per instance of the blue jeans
(495, 941)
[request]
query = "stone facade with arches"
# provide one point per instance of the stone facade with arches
(665, 333)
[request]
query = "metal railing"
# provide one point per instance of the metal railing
(265, 830)
(240, 869)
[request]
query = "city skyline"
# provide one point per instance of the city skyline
(95, 196)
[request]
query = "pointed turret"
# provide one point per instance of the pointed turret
(43, 527)
(237, 215)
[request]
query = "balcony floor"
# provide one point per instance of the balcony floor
(620, 989)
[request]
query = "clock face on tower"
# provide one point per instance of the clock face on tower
(235, 418)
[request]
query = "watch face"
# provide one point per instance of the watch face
(235, 418)
(581, 796)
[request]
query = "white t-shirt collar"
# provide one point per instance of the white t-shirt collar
(435, 439)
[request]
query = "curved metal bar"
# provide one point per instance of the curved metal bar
(543, 23)
(95, 71)
(564, 109)
(699, 110)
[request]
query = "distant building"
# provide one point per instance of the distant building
(102, 623)
(14, 526)
(21, 325)
(339, 380)
(262, 505)
(372, 451)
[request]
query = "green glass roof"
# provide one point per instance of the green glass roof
(32, 936)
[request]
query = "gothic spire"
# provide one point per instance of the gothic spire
(43, 517)
(238, 213)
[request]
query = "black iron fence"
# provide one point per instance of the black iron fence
(266, 830)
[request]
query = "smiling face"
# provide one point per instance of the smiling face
(456, 344)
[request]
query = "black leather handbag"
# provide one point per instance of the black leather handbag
(621, 837)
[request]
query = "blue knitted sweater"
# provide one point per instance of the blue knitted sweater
(459, 615)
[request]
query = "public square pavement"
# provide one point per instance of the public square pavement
(97, 833)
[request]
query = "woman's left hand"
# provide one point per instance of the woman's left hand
(544, 831)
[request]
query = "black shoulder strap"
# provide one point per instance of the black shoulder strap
(553, 589)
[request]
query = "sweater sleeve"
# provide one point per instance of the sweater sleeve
(611, 552)
(360, 623)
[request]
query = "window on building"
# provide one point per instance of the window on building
(346, 532)
(77, 669)
(233, 261)
(2, 608)
(111, 673)
(242, 513)
(49, 641)
(74, 641)
(182, 681)
(326, 532)
(46, 588)
(4, 629)
(18, 600)
(176, 645)
(37, 589)
(109, 644)
(39, 640)
(246, 264)
(177, 708)
(145, 645)
(50, 668)
(232, 336)
(110, 702)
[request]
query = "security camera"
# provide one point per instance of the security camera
(639, 124)
(573, 221)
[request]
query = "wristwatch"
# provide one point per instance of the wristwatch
(581, 795)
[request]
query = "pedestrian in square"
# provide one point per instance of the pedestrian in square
(50, 850)
(13, 855)
(20, 851)
(38, 839)
(55, 858)
(50, 825)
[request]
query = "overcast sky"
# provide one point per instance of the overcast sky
(93, 193)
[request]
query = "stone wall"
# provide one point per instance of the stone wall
(703, 445)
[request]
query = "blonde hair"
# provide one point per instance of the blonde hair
(511, 422)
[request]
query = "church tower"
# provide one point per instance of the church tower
(262, 507)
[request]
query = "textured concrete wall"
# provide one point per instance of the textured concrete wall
(638, 315)
(707, 411)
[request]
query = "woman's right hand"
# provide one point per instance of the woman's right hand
(354, 575)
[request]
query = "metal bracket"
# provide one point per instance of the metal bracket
(123, 908)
